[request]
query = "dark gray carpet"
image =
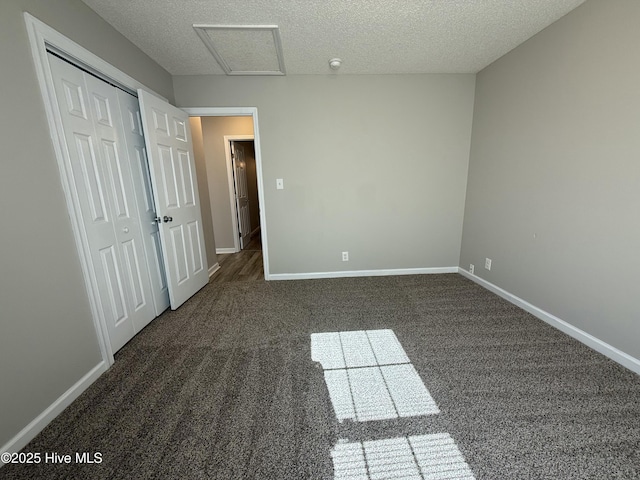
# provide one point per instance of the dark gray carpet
(224, 388)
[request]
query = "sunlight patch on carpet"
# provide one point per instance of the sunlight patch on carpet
(369, 376)
(434, 456)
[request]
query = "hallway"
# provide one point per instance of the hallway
(243, 266)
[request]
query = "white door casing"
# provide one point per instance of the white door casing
(134, 137)
(173, 174)
(101, 176)
(43, 39)
(241, 193)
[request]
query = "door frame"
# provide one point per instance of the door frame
(242, 112)
(232, 184)
(41, 37)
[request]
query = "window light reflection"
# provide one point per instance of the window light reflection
(434, 456)
(369, 376)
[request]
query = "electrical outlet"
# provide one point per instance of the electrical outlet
(487, 263)
(345, 256)
(471, 268)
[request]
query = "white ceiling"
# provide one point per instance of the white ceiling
(371, 36)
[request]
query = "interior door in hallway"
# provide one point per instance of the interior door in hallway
(242, 192)
(102, 183)
(173, 174)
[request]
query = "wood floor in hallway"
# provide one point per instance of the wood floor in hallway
(243, 266)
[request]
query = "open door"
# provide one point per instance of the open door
(175, 192)
(242, 192)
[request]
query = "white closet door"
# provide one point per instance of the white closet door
(101, 183)
(173, 173)
(109, 127)
(134, 138)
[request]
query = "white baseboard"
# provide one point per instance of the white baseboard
(224, 251)
(362, 273)
(29, 432)
(214, 269)
(589, 340)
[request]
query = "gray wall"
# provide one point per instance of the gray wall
(554, 177)
(375, 165)
(47, 338)
(203, 189)
(214, 129)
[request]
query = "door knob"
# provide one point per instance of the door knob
(125, 229)
(167, 219)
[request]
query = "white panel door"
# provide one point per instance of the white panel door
(173, 174)
(109, 127)
(242, 192)
(134, 138)
(101, 183)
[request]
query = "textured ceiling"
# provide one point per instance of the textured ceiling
(371, 36)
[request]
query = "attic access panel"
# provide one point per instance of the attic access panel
(244, 49)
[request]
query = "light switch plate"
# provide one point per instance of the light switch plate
(279, 184)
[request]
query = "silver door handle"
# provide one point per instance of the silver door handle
(125, 229)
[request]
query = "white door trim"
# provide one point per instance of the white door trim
(231, 180)
(41, 36)
(243, 112)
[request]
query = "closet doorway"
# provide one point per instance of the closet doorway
(110, 179)
(139, 220)
(136, 218)
(172, 183)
